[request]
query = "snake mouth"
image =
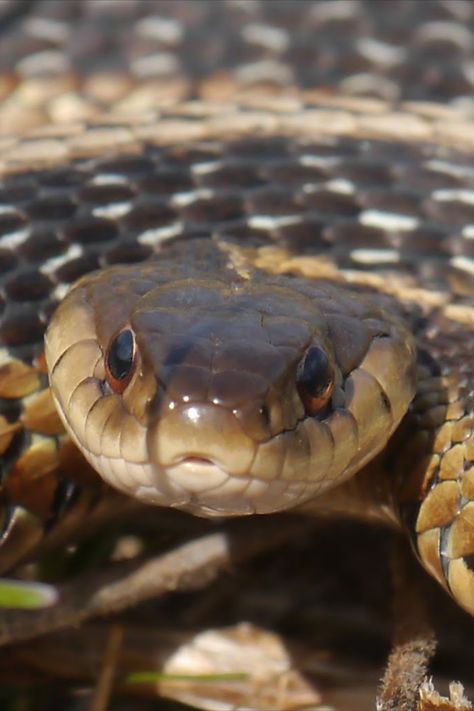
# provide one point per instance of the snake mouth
(210, 489)
(197, 460)
(196, 474)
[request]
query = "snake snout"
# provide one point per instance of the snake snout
(198, 434)
(201, 452)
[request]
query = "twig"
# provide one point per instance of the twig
(103, 688)
(430, 700)
(414, 641)
(189, 566)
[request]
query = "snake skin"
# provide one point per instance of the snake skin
(314, 183)
(62, 63)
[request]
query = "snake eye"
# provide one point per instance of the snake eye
(315, 381)
(120, 360)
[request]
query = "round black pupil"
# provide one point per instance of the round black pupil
(315, 374)
(120, 357)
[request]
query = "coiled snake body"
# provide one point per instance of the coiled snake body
(303, 318)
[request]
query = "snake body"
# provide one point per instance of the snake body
(247, 236)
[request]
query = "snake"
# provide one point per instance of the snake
(245, 230)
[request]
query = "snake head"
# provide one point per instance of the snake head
(221, 394)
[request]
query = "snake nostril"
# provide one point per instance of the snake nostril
(265, 415)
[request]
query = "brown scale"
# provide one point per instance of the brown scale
(315, 48)
(443, 411)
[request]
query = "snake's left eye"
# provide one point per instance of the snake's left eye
(120, 360)
(315, 381)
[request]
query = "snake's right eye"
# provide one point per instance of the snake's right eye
(120, 360)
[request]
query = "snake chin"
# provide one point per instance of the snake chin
(199, 486)
(204, 488)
